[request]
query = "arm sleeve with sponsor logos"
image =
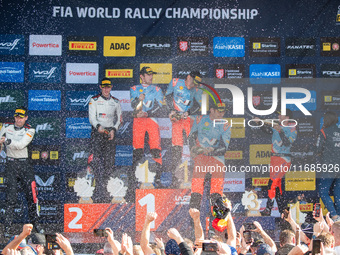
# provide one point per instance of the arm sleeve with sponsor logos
(93, 113)
(157, 108)
(2, 131)
(22, 143)
(119, 117)
(134, 96)
(223, 146)
(288, 135)
(169, 96)
(320, 143)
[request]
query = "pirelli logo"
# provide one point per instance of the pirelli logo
(119, 73)
(260, 181)
(80, 45)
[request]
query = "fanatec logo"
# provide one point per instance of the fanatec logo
(44, 127)
(9, 45)
(80, 101)
(44, 74)
(7, 99)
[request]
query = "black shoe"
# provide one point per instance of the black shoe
(266, 212)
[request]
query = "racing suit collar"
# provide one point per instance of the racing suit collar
(106, 98)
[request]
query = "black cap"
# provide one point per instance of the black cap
(146, 70)
(21, 112)
(197, 77)
(289, 113)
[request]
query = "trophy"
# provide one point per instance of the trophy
(84, 190)
(117, 190)
(145, 176)
(185, 184)
(250, 202)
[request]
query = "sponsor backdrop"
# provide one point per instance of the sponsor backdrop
(54, 54)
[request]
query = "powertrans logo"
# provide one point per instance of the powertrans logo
(44, 100)
(229, 46)
(78, 100)
(264, 47)
(45, 45)
(265, 73)
(330, 46)
(164, 72)
(300, 71)
(12, 45)
(45, 72)
(46, 127)
(119, 73)
(330, 71)
(300, 47)
(82, 73)
(10, 99)
(77, 155)
(155, 46)
(119, 46)
(11, 72)
(82, 46)
(78, 128)
(192, 46)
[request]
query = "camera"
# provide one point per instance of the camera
(220, 210)
(209, 247)
(100, 232)
(51, 242)
(249, 226)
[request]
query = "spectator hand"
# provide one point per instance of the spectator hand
(174, 234)
(258, 226)
(159, 243)
(27, 229)
(127, 246)
(151, 216)
(64, 243)
(109, 234)
(194, 213)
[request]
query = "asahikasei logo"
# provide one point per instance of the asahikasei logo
(11, 72)
(45, 72)
(44, 100)
(78, 128)
(78, 100)
(229, 47)
(12, 45)
(310, 105)
(265, 73)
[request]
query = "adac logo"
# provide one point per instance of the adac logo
(82, 45)
(119, 73)
(338, 16)
(119, 46)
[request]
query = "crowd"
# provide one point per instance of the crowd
(251, 238)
